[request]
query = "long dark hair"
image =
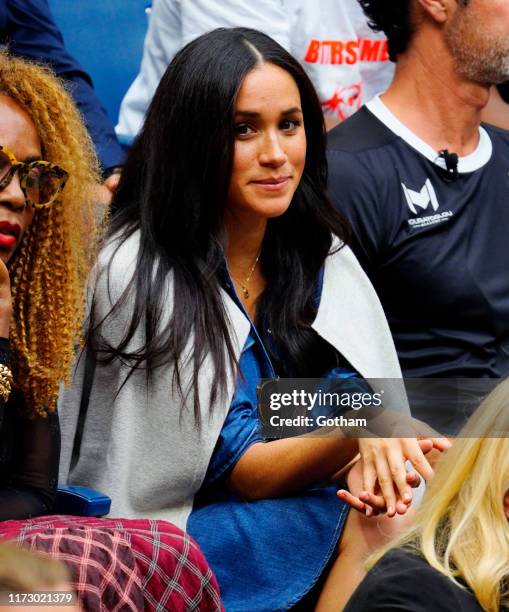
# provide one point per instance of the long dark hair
(174, 191)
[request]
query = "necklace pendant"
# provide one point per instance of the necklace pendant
(245, 292)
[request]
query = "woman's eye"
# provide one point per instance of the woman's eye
(290, 124)
(243, 129)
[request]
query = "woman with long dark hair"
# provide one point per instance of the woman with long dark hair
(227, 265)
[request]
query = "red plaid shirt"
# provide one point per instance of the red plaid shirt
(120, 564)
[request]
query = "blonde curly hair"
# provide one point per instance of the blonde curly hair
(49, 270)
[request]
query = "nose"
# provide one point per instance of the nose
(272, 153)
(12, 195)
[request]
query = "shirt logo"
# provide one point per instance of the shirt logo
(422, 198)
(347, 52)
(344, 101)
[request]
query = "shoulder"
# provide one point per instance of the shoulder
(496, 132)
(359, 133)
(113, 276)
(405, 581)
(120, 252)
(116, 264)
(399, 561)
(359, 151)
(342, 257)
(115, 270)
(348, 288)
(351, 318)
(343, 270)
(499, 136)
(400, 570)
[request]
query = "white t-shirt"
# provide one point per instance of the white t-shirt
(346, 61)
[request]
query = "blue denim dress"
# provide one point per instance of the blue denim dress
(267, 554)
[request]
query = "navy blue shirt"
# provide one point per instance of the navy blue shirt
(435, 246)
(28, 29)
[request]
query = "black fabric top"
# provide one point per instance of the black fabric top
(404, 582)
(436, 249)
(29, 455)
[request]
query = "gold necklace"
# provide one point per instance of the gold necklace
(245, 283)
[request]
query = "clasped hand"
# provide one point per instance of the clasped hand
(379, 480)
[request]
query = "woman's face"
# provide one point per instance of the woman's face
(19, 135)
(270, 145)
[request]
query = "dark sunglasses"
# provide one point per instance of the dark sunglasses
(40, 181)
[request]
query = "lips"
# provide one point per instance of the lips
(273, 183)
(9, 233)
(272, 180)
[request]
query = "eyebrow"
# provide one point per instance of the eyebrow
(285, 113)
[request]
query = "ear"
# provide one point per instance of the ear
(438, 10)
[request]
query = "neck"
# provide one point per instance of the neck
(432, 100)
(245, 238)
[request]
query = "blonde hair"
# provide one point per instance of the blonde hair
(49, 271)
(461, 528)
(22, 570)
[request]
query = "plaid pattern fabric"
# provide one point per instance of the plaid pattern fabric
(123, 565)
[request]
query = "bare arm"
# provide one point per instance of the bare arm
(277, 468)
(273, 469)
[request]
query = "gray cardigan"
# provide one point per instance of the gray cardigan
(141, 446)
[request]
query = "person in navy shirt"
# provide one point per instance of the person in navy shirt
(425, 187)
(29, 30)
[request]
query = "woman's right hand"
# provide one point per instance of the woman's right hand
(383, 463)
(5, 301)
(371, 504)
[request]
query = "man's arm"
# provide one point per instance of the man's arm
(32, 33)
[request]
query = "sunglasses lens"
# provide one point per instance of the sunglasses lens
(5, 165)
(42, 184)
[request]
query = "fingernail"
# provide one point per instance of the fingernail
(390, 510)
(407, 498)
(369, 512)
